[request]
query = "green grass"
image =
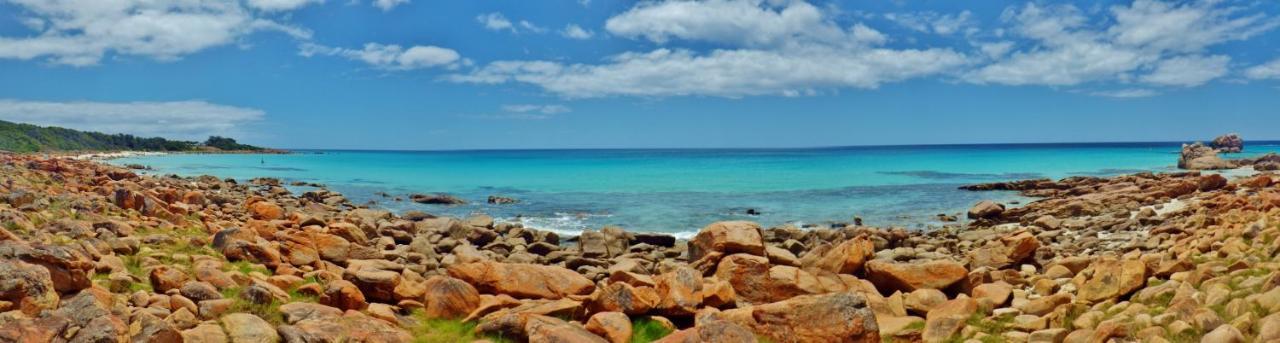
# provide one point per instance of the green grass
(644, 330)
(445, 331)
(246, 267)
(269, 312)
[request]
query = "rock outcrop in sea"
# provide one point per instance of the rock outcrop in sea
(96, 253)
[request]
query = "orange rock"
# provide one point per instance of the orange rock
(890, 276)
(522, 280)
(613, 326)
(729, 238)
(1110, 278)
(263, 210)
(449, 298)
(947, 319)
(343, 295)
(621, 297)
(679, 290)
(847, 257)
(832, 317)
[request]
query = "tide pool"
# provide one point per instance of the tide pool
(680, 190)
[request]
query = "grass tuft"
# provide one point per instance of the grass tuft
(644, 330)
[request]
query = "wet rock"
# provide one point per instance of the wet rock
(437, 199)
(501, 200)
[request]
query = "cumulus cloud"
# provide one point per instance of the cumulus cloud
(936, 23)
(1154, 42)
(751, 23)
(280, 5)
(387, 5)
(391, 56)
(1187, 71)
(1269, 70)
(495, 21)
(576, 32)
(770, 48)
(82, 32)
(725, 73)
(179, 119)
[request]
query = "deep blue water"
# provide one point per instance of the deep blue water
(679, 191)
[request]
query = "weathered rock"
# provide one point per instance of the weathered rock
(718, 331)
(947, 319)
(847, 257)
(985, 209)
(344, 295)
(165, 278)
(27, 286)
(1110, 278)
(679, 291)
(1196, 156)
(833, 317)
(728, 238)
(625, 298)
(248, 328)
(205, 333)
(890, 276)
(553, 330)
(522, 280)
(449, 298)
(613, 326)
(1228, 143)
(263, 210)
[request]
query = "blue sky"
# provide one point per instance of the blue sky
(418, 74)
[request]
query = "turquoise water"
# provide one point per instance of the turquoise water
(679, 191)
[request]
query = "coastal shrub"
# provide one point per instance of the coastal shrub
(644, 330)
(427, 330)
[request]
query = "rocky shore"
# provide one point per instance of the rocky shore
(95, 253)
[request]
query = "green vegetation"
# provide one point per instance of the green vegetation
(644, 330)
(445, 331)
(17, 137)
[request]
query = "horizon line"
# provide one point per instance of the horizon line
(827, 147)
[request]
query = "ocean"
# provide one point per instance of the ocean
(678, 191)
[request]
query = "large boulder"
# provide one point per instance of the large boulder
(947, 319)
(27, 286)
(847, 257)
(613, 326)
(719, 331)
(1110, 278)
(1196, 156)
(986, 209)
(832, 317)
(729, 237)
(1008, 250)
(246, 328)
(1228, 143)
(69, 269)
(522, 280)
(622, 297)
(891, 276)
(450, 298)
(553, 330)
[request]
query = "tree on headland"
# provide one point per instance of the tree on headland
(18, 137)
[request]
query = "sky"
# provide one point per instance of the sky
(501, 74)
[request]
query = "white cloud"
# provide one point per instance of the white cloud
(1187, 71)
(495, 21)
(726, 73)
(933, 22)
(574, 31)
(1128, 93)
(787, 48)
(387, 5)
(280, 5)
(1269, 70)
(82, 32)
(748, 23)
(1153, 42)
(391, 56)
(179, 119)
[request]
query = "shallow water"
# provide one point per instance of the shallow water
(679, 191)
